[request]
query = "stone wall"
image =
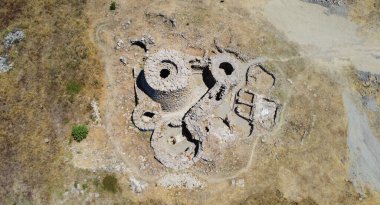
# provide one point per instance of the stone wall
(166, 79)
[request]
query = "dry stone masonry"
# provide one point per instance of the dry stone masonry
(145, 42)
(12, 38)
(189, 102)
(167, 77)
(5, 65)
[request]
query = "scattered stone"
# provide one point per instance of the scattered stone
(266, 111)
(5, 65)
(221, 131)
(123, 60)
(95, 112)
(120, 167)
(12, 38)
(337, 7)
(370, 103)
(176, 122)
(199, 63)
(76, 191)
(238, 53)
(367, 78)
(363, 75)
(238, 183)
(326, 3)
(127, 24)
(119, 44)
(186, 181)
(171, 21)
(137, 186)
(234, 51)
(340, 10)
(46, 140)
(145, 42)
(218, 46)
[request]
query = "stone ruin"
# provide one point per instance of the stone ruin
(11, 39)
(187, 100)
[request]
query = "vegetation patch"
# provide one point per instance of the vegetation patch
(113, 6)
(110, 184)
(73, 88)
(35, 96)
(79, 132)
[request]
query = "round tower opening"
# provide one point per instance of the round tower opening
(227, 67)
(148, 114)
(164, 73)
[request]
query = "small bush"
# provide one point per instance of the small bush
(110, 183)
(73, 88)
(85, 186)
(113, 6)
(79, 132)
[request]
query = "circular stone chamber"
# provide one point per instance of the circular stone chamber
(167, 76)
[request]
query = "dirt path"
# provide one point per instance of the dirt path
(322, 36)
(330, 38)
(364, 147)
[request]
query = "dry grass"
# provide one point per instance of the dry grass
(35, 104)
(367, 14)
(274, 197)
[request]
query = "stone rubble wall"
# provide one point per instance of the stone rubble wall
(5, 65)
(173, 161)
(143, 122)
(12, 38)
(9, 40)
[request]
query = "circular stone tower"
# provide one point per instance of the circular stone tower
(167, 75)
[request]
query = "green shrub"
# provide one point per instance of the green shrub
(113, 6)
(73, 88)
(79, 132)
(110, 183)
(85, 186)
(96, 182)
